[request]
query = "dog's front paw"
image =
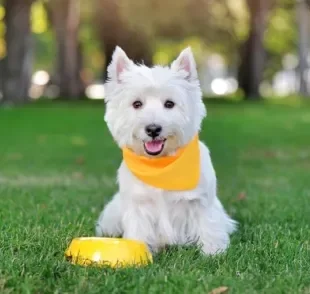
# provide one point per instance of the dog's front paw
(109, 222)
(108, 225)
(103, 231)
(105, 228)
(154, 249)
(213, 248)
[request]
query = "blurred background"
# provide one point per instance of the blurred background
(58, 161)
(244, 48)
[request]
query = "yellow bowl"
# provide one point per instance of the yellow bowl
(113, 252)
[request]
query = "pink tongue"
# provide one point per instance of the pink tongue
(154, 146)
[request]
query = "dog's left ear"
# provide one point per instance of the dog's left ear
(186, 62)
(120, 63)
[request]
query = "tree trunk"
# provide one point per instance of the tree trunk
(114, 31)
(253, 53)
(302, 14)
(17, 67)
(2, 75)
(65, 18)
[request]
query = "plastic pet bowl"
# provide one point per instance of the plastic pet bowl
(113, 252)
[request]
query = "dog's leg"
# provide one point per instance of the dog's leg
(110, 219)
(202, 223)
(213, 228)
(139, 224)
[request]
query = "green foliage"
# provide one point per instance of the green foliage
(166, 51)
(2, 32)
(58, 166)
(281, 35)
(39, 21)
(93, 56)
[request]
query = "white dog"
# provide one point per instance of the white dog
(154, 112)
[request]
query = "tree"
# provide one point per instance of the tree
(134, 24)
(302, 13)
(17, 66)
(65, 19)
(114, 29)
(253, 54)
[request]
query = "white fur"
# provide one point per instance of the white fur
(142, 212)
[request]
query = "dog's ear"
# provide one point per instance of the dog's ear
(186, 62)
(120, 63)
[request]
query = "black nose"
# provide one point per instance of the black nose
(153, 130)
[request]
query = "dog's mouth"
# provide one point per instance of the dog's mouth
(154, 147)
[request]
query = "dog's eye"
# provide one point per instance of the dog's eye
(169, 104)
(137, 104)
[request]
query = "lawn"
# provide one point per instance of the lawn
(57, 169)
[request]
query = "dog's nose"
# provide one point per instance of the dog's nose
(153, 130)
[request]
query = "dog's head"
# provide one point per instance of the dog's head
(153, 111)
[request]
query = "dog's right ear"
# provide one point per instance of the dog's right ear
(120, 63)
(186, 62)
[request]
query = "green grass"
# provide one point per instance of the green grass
(57, 169)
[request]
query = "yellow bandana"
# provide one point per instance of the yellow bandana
(177, 173)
